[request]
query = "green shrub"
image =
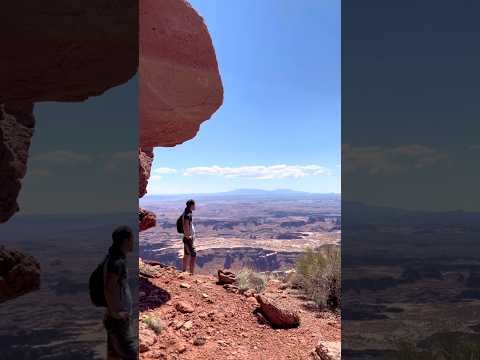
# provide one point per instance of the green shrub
(154, 323)
(249, 279)
(318, 275)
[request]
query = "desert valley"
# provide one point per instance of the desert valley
(262, 230)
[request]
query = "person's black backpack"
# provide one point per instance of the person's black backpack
(180, 224)
(96, 285)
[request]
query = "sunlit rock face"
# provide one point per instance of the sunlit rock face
(180, 85)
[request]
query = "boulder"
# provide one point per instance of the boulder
(184, 307)
(277, 315)
(146, 339)
(146, 219)
(19, 274)
(327, 350)
(226, 277)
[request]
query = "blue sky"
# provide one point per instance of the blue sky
(279, 125)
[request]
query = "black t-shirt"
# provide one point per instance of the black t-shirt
(117, 264)
(187, 215)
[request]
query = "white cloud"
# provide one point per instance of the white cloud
(259, 171)
(62, 157)
(389, 161)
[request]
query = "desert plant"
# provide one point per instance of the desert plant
(318, 275)
(249, 279)
(154, 323)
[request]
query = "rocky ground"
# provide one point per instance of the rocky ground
(191, 317)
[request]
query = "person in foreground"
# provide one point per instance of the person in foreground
(121, 339)
(189, 253)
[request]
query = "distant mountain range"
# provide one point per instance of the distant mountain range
(242, 193)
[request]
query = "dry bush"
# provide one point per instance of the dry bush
(154, 323)
(318, 275)
(249, 279)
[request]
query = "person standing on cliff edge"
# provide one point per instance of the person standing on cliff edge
(189, 253)
(121, 339)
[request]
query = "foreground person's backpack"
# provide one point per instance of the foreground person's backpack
(180, 224)
(96, 285)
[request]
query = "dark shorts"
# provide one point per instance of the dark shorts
(121, 340)
(188, 247)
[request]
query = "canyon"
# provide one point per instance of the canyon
(263, 231)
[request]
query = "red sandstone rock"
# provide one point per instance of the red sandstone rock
(276, 314)
(327, 350)
(66, 50)
(147, 219)
(225, 277)
(19, 274)
(146, 339)
(180, 85)
(184, 307)
(16, 130)
(145, 159)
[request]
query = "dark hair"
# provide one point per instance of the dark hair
(190, 203)
(120, 234)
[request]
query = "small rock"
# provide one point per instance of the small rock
(327, 350)
(184, 307)
(181, 348)
(202, 315)
(205, 296)
(185, 285)
(249, 293)
(188, 325)
(222, 343)
(177, 324)
(147, 338)
(199, 341)
(226, 277)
